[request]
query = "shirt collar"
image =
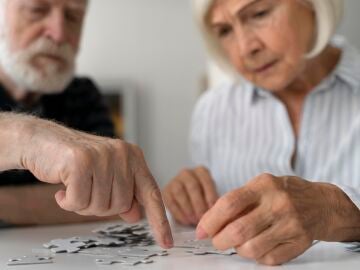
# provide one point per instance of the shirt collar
(347, 70)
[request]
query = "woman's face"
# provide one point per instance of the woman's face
(265, 40)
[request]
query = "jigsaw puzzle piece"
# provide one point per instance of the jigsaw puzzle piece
(30, 260)
(122, 260)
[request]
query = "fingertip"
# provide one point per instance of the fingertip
(163, 235)
(60, 197)
(168, 241)
(201, 233)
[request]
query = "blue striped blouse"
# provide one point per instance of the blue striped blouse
(240, 131)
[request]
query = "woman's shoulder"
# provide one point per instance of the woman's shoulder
(348, 67)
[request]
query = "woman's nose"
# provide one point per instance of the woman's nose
(248, 43)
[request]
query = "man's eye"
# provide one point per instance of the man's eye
(37, 11)
(74, 17)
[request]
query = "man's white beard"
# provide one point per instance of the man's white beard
(50, 79)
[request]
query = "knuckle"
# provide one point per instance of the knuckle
(283, 205)
(155, 194)
(265, 179)
(121, 146)
(178, 189)
(184, 174)
(202, 169)
(230, 203)
(295, 228)
(271, 260)
(227, 204)
(237, 231)
(192, 184)
(80, 155)
(250, 250)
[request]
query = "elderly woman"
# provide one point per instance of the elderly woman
(282, 140)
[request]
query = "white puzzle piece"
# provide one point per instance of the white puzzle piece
(122, 260)
(30, 260)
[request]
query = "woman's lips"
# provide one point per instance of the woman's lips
(265, 67)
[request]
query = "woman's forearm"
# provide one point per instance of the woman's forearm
(345, 225)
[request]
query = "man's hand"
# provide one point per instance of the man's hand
(102, 176)
(190, 194)
(275, 219)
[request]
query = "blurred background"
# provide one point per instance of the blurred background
(151, 53)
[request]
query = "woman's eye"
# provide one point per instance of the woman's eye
(223, 32)
(260, 14)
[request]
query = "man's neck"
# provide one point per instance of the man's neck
(16, 93)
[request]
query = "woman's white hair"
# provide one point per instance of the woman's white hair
(328, 16)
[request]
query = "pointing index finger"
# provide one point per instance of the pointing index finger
(149, 195)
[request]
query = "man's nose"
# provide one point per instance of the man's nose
(56, 28)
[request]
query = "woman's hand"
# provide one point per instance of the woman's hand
(275, 219)
(190, 194)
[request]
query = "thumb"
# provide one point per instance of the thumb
(60, 196)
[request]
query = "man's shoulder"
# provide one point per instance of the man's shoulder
(80, 85)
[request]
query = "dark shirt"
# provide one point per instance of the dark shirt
(80, 107)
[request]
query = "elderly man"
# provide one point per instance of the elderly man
(92, 175)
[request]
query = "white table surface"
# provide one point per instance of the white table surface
(19, 242)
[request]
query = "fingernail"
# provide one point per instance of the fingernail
(169, 241)
(200, 233)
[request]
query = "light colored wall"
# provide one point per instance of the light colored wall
(351, 24)
(153, 45)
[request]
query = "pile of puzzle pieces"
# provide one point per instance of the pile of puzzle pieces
(111, 236)
(128, 245)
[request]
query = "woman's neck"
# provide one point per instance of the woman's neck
(315, 71)
(293, 97)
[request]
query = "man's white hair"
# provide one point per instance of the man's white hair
(328, 16)
(2, 14)
(16, 64)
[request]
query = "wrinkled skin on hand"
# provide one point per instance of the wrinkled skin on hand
(275, 219)
(190, 194)
(101, 176)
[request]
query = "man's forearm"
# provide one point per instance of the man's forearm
(35, 205)
(13, 137)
